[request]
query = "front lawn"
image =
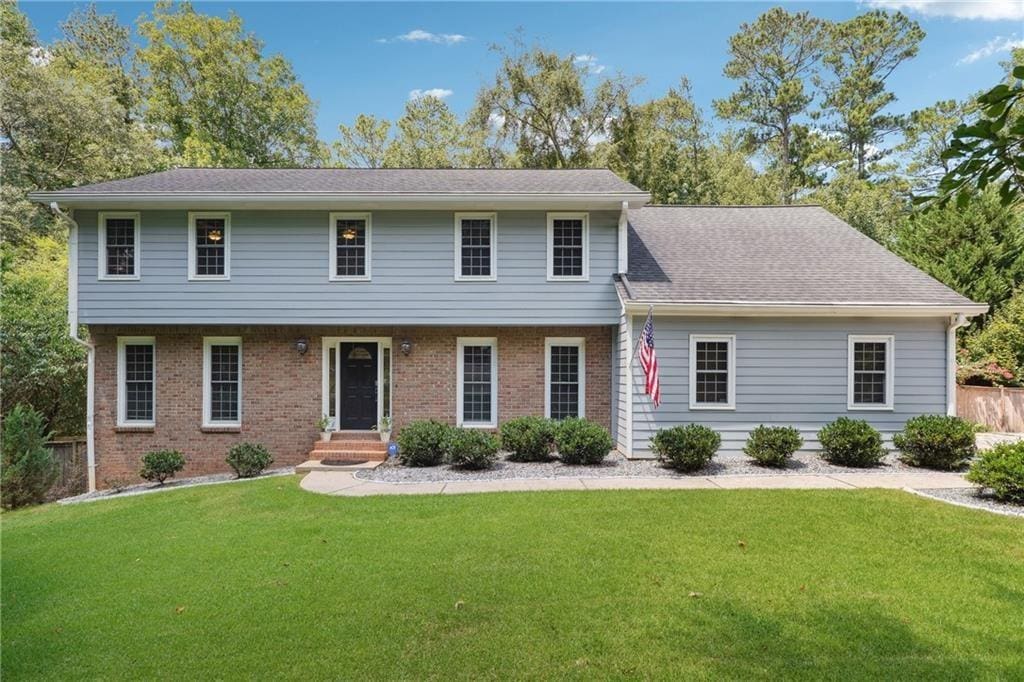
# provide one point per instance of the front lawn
(261, 579)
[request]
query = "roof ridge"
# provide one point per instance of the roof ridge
(403, 168)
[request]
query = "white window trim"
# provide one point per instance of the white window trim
(122, 397)
(209, 341)
(580, 343)
(101, 220)
(333, 246)
(459, 277)
(327, 397)
(192, 217)
(890, 370)
(585, 277)
(692, 361)
(464, 341)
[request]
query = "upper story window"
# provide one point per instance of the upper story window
(475, 246)
(870, 373)
(350, 246)
(712, 372)
(119, 246)
(222, 381)
(568, 246)
(565, 373)
(477, 382)
(136, 381)
(209, 245)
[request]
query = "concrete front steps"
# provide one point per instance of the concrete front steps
(364, 447)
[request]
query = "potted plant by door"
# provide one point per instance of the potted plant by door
(385, 430)
(323, 425)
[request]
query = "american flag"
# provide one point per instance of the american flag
(649, 360)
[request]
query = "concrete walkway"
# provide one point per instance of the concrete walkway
(345, 484)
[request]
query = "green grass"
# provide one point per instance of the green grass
(261, 579)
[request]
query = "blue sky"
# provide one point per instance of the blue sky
(369, 57)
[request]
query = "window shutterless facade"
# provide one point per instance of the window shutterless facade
(222, 381)
(119, 245)
(209, 246)
(476, 246)
(564, 377)
(136, 381)
(350, 248)
(568, 246)
(870, 373)
(712, 362)
(477, 382)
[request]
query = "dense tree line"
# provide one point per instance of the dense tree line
(811, 118)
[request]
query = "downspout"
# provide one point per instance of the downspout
(955, 322)
(90, 432)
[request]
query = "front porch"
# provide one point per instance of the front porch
(347, 450)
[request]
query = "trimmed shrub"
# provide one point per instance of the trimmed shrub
(686, 448)
(471, 449)
(582, 442)
(528, 439)
(249, 459)
(851, 442)
(936, 441)
(160, 465)
(423, 443)
(28, 466)
(772, 446)
(1002, 470)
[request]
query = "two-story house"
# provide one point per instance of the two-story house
(228, 305)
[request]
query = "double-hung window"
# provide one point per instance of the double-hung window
(565, 378)
(350, 246)
(475, 246)
(209, 246)
(222, 381)
(478, 382)
(136, 381)
(568, 246)
(119, 246)
(870, 373)
(712, 372)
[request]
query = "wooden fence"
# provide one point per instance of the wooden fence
(70, 455)
(1000, 409)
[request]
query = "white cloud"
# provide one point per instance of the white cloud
(994, 46)
(439, 93)
(418, 35)
(986, 10)
(590, 62)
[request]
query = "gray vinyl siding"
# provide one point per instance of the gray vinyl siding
(620, 416)
(789, 371)
(279, 274)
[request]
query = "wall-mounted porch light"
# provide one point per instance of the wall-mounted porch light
(302, 345)
(405, 346)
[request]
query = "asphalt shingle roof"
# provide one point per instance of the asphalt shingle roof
(366, 181)
(771, 254)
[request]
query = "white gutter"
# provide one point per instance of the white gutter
(90, 430)
(955, 322)
(782, 309)
(624, 239)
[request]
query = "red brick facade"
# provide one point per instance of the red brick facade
(281, 389)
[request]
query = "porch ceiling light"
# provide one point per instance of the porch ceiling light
(405, 346)
(214, 235)
(348, 234)
(302, 345)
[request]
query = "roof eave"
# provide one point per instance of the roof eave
(787, 309)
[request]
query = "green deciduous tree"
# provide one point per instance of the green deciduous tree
(1002, 339)
(428, 135)
(363, 143)
(217, 99)
(927, 134)
(876, 208)
(773, 59)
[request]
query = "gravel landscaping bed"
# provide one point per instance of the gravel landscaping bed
(172, 484)
(615, 466)
(975, 498)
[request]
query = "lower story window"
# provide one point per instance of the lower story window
(136, 371)
(712, 372)
(870, 373)
(477, 382)
(222, 381)
(565, 373)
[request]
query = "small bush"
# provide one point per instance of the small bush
(528, 439)
(582, 442)
(249, 459)
(160, 465)
(772, 446)
(686, 448)
(936, 442)
(1002, 470)
(28, 466)
(423, 443)
(851, 442)
(471, 449)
